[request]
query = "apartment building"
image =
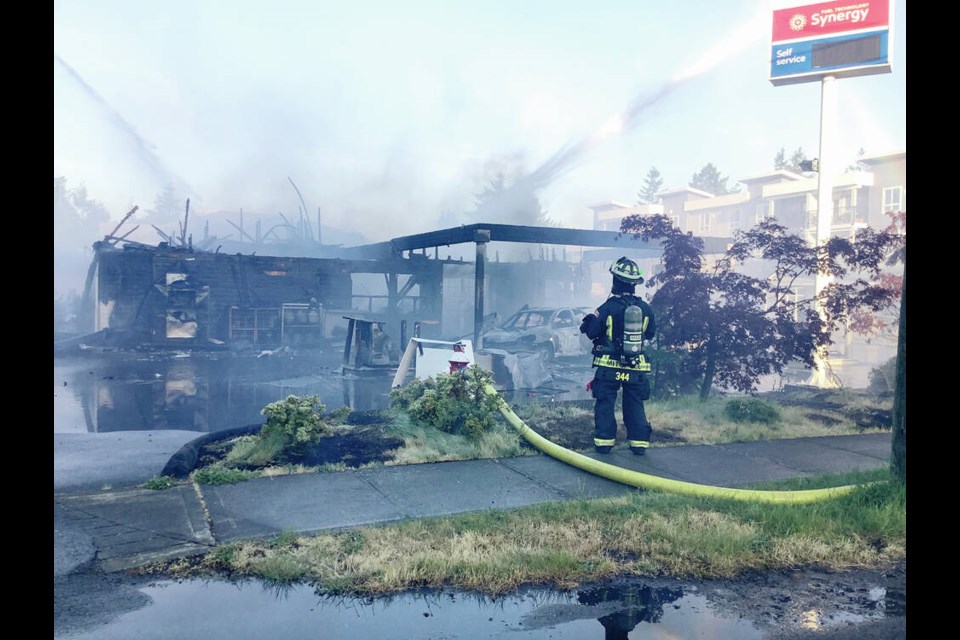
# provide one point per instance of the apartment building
(863, 196)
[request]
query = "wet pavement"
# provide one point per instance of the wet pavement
(99, 533)
(105, 522)
(131, 526)
(252, 610)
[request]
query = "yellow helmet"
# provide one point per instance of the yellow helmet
(626, 270)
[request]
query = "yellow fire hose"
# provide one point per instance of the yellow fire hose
(645, 481)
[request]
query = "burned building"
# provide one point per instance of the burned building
(175, 296)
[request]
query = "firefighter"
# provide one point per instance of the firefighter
(618, 328)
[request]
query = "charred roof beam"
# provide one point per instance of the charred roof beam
(536, 235)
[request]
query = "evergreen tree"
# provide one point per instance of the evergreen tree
(514, 204)
(709, 179)
(168, 208)
(449, 218)
(859, 165)
(795, 160)
(652, 185)
(90, 210)
(780, 161)
(76, 216)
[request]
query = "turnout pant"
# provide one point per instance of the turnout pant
(607, 382)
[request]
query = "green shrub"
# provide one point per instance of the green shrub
(219, 474)
(882, 379)
(286, 539)
(160, 483)
(256, 451)
(224, 555)
(455, 403)
(296, 420)
(339, 416)
(751, 410)
(292, 425)
(675, 374)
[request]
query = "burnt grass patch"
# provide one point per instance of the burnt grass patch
(822, 418)
(830, 407)
(365, 439)
(354, 448)
(576, 432)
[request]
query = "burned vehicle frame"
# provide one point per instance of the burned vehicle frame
(551, 331)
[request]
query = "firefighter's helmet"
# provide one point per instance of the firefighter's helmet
(626, 270)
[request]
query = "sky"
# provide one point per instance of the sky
(390, 117)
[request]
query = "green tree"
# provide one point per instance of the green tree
(718, 326)
(793, 164)
(652, 185)
(449, 218)
(168, 208)
(780, 161)
(710, 180)
(796, 158)
(90, 210)
(514, 204)
(77, 220)
(76, 216)
(858, 164)
(64, 213)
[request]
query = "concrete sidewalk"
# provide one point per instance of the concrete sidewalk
(127, 526)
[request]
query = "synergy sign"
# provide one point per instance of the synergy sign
(840, 39)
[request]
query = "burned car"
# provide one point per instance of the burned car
(551, 331)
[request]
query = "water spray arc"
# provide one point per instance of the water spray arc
(654, 483)
(143, 148)
(748, 33)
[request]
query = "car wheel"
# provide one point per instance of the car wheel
(547, 352)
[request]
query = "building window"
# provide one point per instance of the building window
(705, 221)
(842, 209)
(736, 220)
(791, 212)
(893, 199)
(763, 212)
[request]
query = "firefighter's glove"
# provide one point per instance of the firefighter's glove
(584, 324)
(591, 326)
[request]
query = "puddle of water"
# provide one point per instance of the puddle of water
(136, 392)
(209, 392)
(216, 610)
(212, 392)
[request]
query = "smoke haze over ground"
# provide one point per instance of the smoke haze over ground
(393, 118)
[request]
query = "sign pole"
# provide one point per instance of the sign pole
(820, 376)
(825, 41)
